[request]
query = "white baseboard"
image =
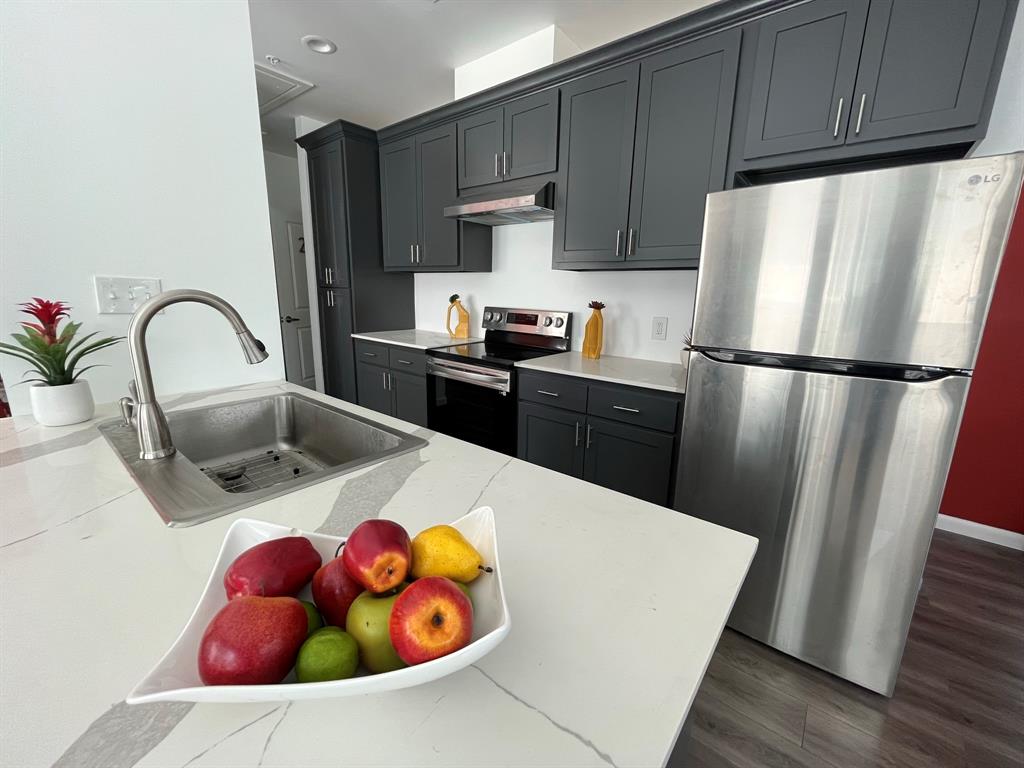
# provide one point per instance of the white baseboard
(979, 531)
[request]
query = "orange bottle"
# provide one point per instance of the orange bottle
(593, 335)
(462, 326)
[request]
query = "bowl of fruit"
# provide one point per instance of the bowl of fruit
(289, 615)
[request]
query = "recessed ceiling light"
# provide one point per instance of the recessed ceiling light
(319, 44)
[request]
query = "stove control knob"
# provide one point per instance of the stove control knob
(547, 321)
(488, 316)
(497, 317)
(559, 322)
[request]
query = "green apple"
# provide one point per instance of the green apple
(367, 621)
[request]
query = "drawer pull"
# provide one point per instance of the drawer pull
(370, 354)
(624, 408)
(405, 362)
(545, 392)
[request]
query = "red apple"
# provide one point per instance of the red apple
(272, 569)
(430, 619)
(252, 641)
(334, 590)
(378, 554)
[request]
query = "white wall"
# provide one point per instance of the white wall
(1006, 124)
(543, 47)
(304, 125)
(131, 146)
(522, 277)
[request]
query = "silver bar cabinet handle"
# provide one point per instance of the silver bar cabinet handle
(496, 174)
(330, 298)
(629, 242)
(418, 259)
(618, 241)
(860, 113)
(577, 442)
(624, 408)
(839, 114)
(384, 378)
(405, 362)
(545, 392)
(588, 435)
(412, 253)
(504, 164)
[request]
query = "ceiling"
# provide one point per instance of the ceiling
(396, 58)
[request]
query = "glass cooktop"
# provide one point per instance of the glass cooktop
(490, 353)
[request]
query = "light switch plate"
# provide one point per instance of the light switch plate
(123, 295)
(659, 329)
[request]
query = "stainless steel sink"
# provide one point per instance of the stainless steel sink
(234, 455)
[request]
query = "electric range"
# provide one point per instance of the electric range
(472, 387)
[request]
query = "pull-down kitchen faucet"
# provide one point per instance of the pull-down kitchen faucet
(150, 422)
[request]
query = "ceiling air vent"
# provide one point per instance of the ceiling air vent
(275, 88)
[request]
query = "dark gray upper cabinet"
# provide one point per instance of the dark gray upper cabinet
(629, 459)
(481, 142)
(682, 141)
(336, 330)
(924, 66)
(327, 198)
(552, 438)
(531, 135)
(804, 74)
(439, 237)
(400, 209)
(512, 141)
(595, 160)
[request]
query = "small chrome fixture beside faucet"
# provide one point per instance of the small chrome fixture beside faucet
(142, 407)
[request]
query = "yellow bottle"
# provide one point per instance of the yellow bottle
(593, 336)
(462, 326)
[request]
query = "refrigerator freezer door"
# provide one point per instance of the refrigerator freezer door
(840, 479)
(894, 266)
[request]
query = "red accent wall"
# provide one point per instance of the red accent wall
(986, 480)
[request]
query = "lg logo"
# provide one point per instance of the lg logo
(986, 179)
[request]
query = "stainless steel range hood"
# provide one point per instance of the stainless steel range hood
(495, 212)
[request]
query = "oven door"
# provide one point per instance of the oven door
(474, 403)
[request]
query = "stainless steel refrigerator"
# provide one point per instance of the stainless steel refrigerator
(835, 330)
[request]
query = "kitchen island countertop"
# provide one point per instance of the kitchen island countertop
(414, 337)
(632, 371)
(616, 604)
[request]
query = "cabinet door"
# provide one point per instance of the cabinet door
(682, 138)
(804, 75)
(531, 135)
(632, 460)
(925, 66)
(552, 438)
(337, 257)
(437, 186)
(595, 157)
(336, 333)
(320, 204)
(373, 387)
(399, 204)
(410, 397)
(480, 145)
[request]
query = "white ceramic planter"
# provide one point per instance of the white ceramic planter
(59, 406)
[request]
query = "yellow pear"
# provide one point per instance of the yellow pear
(443, 551)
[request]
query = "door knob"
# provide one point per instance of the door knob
(290, 319)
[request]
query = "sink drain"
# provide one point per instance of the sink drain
(263, 470)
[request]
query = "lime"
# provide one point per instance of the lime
(330, 653)
(312, 616)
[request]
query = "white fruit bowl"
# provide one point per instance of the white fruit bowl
(176, 676)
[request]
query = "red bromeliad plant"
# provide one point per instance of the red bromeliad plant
(53, 352)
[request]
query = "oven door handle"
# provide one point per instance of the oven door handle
(500, 382)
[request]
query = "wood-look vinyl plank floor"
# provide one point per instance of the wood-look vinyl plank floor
(959, 699)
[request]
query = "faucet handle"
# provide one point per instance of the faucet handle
(127, 406)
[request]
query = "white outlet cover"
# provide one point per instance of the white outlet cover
(123, 295)
(659, 328)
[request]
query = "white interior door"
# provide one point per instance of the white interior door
(293, 297)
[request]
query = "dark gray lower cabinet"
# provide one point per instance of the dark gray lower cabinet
(551, 437)
(385, 388)
(632, 460)
(336, 334)
(613, 452)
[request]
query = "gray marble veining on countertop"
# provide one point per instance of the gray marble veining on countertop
(415, 338)
(650, 374)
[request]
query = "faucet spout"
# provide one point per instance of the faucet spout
(154, 435)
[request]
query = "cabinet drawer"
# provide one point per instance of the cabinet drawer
(407, 360)
(561, 391)
(640, 408)
(369, 352)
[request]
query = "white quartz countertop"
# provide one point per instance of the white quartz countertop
(616, 604)
(414, 338)
(652, 374)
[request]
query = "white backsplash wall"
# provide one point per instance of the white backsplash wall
(522, 277)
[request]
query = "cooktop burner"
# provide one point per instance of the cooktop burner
(492, 353)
